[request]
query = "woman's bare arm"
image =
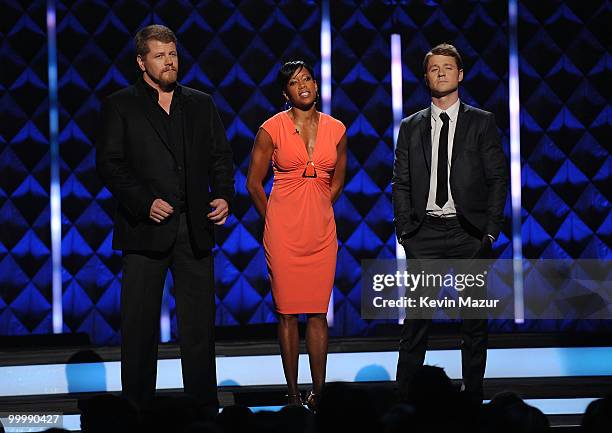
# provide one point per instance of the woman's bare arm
(258, 169)
(340, 171)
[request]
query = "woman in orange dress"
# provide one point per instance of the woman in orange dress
(308, 153)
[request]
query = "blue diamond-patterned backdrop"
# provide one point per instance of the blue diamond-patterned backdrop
(361, 99)
(25, 243)
(565, 126)
(232, 49)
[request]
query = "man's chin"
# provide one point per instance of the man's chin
(167, 83)
(442, 93)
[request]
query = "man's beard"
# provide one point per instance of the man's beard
(162, 81)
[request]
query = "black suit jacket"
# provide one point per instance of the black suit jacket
(137, 164)
(478, 176)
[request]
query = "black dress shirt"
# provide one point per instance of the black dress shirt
(173, 125)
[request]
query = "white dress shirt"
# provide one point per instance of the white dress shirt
(436, 125)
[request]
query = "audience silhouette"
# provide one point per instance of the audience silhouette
(433, 405)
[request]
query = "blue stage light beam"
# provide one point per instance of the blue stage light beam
(56, 198)
(397, 104)
(326, 80)
(165, 321)
(515, 161)
(326, 95)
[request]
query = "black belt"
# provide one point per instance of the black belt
(440, 217)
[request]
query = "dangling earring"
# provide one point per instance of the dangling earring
(286, 105)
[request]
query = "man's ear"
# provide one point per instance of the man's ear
(426, 80)
(140, 62)
(460, 75)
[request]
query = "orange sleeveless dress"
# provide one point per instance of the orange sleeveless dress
(300, 231)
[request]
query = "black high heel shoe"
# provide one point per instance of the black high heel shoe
(312, 401)
(294, 399)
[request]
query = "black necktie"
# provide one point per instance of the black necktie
(442, 185)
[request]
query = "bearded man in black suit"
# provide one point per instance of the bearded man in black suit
(450, 183)
(163, 154)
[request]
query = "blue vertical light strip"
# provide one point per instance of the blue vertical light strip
(326, 92)
(165, 322)
(397, 104)
(515, 161)
(56, 199)
(326, 86)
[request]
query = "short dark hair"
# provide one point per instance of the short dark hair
(155, 32)
(443, 50)
(288, 70)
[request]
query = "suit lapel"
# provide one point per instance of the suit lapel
(426, 137)
(463, 121)
(151, 116)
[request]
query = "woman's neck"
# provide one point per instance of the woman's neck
(304, 116)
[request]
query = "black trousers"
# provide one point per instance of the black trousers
(144, 274)
(444, 238)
